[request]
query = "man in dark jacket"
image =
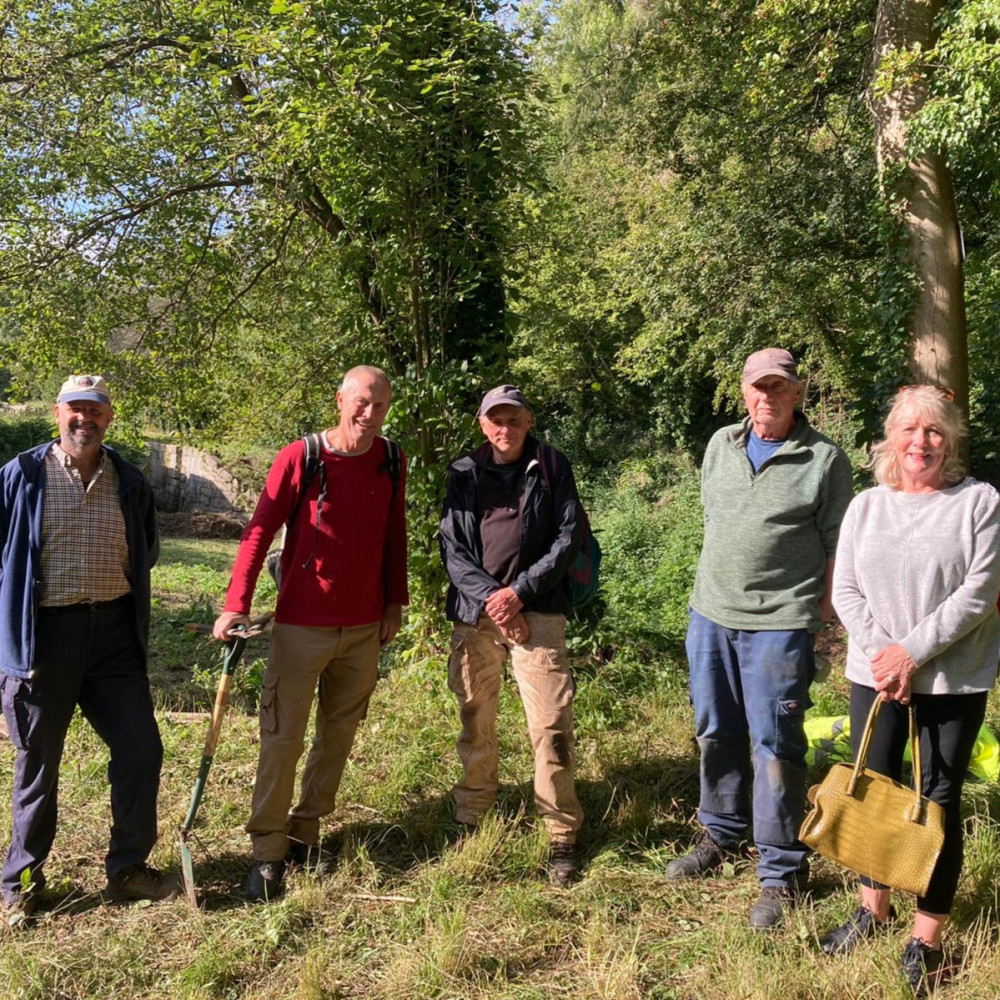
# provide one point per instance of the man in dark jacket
(512, 524)
(78, 537)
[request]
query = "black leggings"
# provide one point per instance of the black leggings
(947, 727)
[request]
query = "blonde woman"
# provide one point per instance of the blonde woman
(916, 582)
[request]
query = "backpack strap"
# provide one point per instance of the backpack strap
(313, 464)
(547, 461)
(393, 465)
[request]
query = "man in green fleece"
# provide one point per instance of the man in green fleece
(774, 492)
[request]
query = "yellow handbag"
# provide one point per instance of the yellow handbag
(873, 825)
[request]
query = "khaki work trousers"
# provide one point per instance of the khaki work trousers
(541, 669)
(343, 663)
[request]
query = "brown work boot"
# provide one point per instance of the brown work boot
(564, 864)
(18, 914)
(142, 881)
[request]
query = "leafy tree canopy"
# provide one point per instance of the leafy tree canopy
(224, 204)
(713, 188)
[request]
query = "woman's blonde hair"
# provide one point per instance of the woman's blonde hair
(937, 407)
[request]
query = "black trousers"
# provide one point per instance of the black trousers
(87, 656)
(947, 727)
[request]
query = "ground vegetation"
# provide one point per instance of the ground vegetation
(417, 909)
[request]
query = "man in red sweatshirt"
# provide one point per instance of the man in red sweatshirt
(343, 585)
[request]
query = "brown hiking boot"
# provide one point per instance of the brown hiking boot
(142, 881)
(564, 864)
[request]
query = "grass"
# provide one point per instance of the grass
(414, 910)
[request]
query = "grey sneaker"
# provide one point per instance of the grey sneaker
(564, 864)
(142, 881)
(311, 858)
(266, 881)
(705, 857)
(772, 905)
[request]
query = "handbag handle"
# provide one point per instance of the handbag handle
(916, 811)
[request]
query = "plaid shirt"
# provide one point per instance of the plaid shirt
(84, 549)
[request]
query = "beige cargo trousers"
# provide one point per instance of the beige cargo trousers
(541, 670)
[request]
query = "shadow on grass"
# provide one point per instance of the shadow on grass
(394, 848)
(642, 812)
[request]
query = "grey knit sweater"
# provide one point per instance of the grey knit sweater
(923, 570)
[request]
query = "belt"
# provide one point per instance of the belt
(86, 606)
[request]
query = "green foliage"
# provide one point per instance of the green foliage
(19, 433)
(225, 206)
(711, 191)
(962, 116)
(712, 188)
(433, 416)
(221, 204)
(649, 523)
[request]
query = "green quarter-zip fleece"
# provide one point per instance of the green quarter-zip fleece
(768, 535)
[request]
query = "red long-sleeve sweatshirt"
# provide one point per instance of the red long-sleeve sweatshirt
(355, 566)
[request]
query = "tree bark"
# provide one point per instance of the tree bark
(920, 194)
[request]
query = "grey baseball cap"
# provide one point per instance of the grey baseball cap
(502, 395)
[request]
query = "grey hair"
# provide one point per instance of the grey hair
(936, 407)
(366, 370)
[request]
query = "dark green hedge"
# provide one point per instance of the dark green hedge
(18, 433)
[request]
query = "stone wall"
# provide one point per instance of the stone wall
(186, 479)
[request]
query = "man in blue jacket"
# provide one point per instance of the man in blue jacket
(512, 524)
(78, 537)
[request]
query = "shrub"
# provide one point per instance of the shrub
(649, 524)
(18, 432)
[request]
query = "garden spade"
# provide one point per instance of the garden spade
(234, 650)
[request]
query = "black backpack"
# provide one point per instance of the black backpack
(313, 464)
(583, 573)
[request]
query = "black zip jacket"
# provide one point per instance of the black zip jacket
(551, 535)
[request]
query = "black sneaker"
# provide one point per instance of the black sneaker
(859, 926)
(564, 864)
(772, 905)
(142, 881)
(707, 856)
(311, 858)
(921, 966)
(266, 881)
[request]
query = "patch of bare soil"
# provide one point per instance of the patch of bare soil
(831, 644)
(198, 525)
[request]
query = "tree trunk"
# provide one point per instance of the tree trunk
(920, 194)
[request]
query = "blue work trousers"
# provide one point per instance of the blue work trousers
(750, 692)
(86, 655)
